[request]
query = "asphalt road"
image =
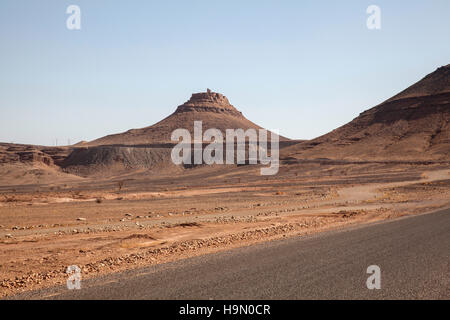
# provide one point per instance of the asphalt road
(413, 254)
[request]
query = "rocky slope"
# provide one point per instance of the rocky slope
(30, 154)
(413, 125)
(116, 159)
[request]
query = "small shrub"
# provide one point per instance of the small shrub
(120, 185)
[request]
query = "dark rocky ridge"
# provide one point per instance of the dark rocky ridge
(434, 83)
(412, 125)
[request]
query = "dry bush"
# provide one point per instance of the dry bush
(11, 199)
(120, 185)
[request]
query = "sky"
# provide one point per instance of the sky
(302, 67)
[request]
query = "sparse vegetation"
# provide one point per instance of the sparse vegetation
(120, 185)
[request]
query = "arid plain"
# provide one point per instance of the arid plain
(118, 202)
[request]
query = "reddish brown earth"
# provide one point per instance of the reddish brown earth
(118, 202)
(103, 227)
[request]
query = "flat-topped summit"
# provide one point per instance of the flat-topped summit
(208, 98)
(208, 102)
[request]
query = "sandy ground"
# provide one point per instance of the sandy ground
(44, 228)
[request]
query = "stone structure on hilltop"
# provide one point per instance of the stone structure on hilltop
(209, 102)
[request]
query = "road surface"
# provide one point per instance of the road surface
(413, 254)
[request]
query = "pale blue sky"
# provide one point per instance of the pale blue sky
(304, 67)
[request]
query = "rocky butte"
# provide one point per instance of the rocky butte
(212, 108)
(150, 147)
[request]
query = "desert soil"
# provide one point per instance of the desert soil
(151, 219)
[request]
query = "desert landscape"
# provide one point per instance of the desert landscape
(119, 203)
